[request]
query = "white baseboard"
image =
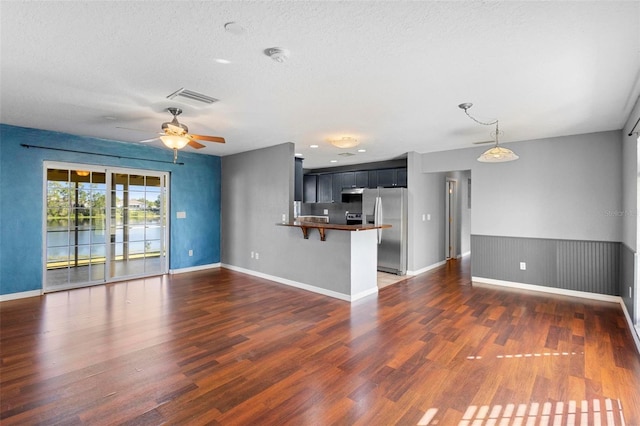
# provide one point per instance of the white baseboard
(304, 286)
(635, 333)
(426, 268)
(544, 289)
(194, 268)
(21, 295)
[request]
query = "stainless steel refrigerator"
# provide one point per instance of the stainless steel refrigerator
(388, 206)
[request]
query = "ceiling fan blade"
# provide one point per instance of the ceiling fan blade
(132, 129)
(208, 138)
(149, 140)
(196, 145)
(483, 142)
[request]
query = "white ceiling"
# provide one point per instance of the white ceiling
(390, 74)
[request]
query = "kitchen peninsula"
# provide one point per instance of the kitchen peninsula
(349, 254)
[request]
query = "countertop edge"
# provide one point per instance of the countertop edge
(335, 226)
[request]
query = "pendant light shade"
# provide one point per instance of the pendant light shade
(497, 154)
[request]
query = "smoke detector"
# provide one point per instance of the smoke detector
(278, 54)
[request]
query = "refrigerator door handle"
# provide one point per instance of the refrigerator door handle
(378, 217)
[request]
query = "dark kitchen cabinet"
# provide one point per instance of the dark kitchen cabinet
(362, 179)
(325, 189)
(336, 187)
(372, 178)
(401, 176)
(298, 181)
(348, 180)
(310, 186)
(389, 178)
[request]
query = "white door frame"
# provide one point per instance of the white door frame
(108, 170)
(451, 190)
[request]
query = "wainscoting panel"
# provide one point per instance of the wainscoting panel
(627, 259)
(592, 266)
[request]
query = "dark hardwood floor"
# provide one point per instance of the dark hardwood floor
(220, 347)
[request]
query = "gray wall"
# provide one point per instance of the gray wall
(630, 175)
(560, 188)
(561, 193)
(426, 196)
(257, 188)
(630, 214)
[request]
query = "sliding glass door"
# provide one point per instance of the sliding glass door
(103, 225)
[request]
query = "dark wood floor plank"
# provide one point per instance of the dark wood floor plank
(220, 347)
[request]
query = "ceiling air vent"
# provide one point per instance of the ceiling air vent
(194, 96)
(346, 154)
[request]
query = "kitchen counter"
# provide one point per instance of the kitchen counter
(334, 263)
(322, 227)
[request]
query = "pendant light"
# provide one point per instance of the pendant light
(496, 154)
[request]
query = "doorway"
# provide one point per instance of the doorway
(450, 218)
(102, 224)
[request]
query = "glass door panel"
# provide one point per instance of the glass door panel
(138, 231)
(75, 223)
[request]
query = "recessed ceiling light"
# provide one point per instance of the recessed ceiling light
(222, 61)
(362, 150)
(313, 146)
(334, 161)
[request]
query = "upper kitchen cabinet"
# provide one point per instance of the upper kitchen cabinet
(401, 175)
(310, 183)
(362, 179)
(298, 181)
(389, 178)
(325, 189)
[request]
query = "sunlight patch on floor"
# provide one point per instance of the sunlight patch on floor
(597, 412)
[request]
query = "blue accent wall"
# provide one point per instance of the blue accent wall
(194, 189)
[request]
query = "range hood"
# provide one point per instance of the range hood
(351, 195)
(352, 191)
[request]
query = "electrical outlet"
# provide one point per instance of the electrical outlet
(252, 255)
(284, 217)
(190, 252)
(429, 217)
(257, 255)
(523, 266)
(424, 217)
(326, 211)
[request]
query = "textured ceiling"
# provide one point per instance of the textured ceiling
(390, 74)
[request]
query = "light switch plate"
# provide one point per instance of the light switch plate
(181, 215)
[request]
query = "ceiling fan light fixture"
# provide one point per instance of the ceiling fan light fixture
(344, 142)
(174, 141)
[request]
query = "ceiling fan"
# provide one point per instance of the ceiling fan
(175, 135)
